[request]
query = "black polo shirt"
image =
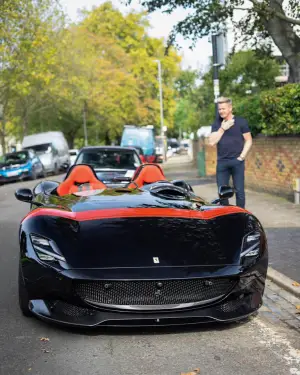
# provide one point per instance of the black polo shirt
(231, 144)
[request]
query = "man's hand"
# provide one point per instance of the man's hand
(227, 124)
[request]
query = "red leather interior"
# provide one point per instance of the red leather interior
(81, 177)
(147, 174)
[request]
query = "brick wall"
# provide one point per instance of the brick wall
(271, 165)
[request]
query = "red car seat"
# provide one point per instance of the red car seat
(147, 174)
(79, 178)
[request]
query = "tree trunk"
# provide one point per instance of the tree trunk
(3, 132)
(107, 137)
(70, 140)
(285, 38)
(25, 125)
(3, 142)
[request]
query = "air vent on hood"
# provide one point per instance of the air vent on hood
(169, 191)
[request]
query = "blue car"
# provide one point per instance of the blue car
(20, 165)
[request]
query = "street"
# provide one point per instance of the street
(263, 345)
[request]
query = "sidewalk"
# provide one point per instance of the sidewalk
(280, 218)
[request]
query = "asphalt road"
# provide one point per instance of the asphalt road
(257, 347)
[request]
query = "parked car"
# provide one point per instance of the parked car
(52, 148)
(114, 165)
(73, 155)
(154, 254)
(143, 137)
(20, 165)
(140, 152)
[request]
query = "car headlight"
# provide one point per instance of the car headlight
(251, 245)
(45, 249)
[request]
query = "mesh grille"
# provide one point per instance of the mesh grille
(231, 306)
(71, 310)
(153, 292)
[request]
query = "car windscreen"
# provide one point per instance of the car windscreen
(42, 148)
(109, 159)
(15, 157)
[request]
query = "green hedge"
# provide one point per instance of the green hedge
(281, 110)
(250, 108)
(273, 112)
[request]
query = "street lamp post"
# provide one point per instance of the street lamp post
(161, 107)
(215, 71)
(84, 124)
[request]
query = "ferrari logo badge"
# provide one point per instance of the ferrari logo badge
(156, 260)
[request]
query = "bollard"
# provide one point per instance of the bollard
(296, 188)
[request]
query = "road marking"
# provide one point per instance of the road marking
(279, 346)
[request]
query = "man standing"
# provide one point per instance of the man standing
(233, 138)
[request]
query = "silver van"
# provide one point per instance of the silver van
(52, 149)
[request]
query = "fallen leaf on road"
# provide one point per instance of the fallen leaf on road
(296, 284)
(194, 372)
(29, 369)
(298, 307)
(44, 339)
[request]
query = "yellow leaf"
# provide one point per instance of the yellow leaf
(296, 284)
(194, 372)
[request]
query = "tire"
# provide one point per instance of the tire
(56, 170)
(43, 174)
(33, 175)
(23, 295)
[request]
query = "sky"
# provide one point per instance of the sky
(161, 25)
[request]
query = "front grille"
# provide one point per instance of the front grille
(60, 307)
(153, 292)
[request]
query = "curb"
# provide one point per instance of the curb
(283, 281)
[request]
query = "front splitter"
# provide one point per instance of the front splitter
(70, 315)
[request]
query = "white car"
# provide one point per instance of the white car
(73, 155)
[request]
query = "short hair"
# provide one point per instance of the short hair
(223, 99)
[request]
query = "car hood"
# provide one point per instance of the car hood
(148, 241)
(11, 165)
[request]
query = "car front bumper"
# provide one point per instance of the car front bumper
(19, 176)
(52, 298)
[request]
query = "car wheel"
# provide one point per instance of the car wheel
(23, 295)
(33, 175)
(56, 170)
(43, 174)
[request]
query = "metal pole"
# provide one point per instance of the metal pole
(215, 71)
(84, 124)
(161, 107)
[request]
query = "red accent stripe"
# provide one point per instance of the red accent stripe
(135, 212)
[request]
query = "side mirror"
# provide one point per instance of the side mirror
(24, 195)
(225, 192)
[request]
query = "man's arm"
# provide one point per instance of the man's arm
(216, 136)
(247, 146)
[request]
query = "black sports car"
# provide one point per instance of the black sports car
(152, 253)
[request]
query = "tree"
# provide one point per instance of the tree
(27, 47)
(187, 114)
(245, 73)
(262, 19)
(129, 32)
(248, 71)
